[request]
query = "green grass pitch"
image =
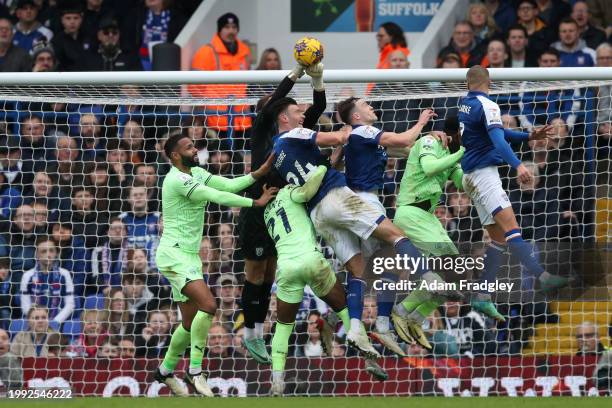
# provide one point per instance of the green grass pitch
(319, 402)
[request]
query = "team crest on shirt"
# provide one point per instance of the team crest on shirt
(371, 131)
(494, 115)
(428, 142)
(184, 177)
(259, 251)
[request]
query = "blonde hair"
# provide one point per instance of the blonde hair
(101, 317)
(489, 21)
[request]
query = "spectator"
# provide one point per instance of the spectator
(145, 175)
(139, 297)
(467, 328)
(44, 58)
(71, 45)
(58, 345)
(553, 11)
(118, 316)
(94, 333)
(520, 55)
(43, 190)
(464, 44)
(11, 374)
(19, 242)
(210, 257)
(7, 293)
(237, 346)
(142, 225)
(32, 140)
(48, 284)
(313, 346)
(604, 105)
(482, 22)
(72, 254)
(539, 36)
(591, 35)
(390, 37)
(90, 134)
(28, 30)
(109, 56)
(398, 60)
(137, 264)
(41, 218)
(497, 55)
(155, 336)
(34, 341)
(219, 342)
(133, 137)
(127, 349)
(601, 14)
(160, 23)
(86, 222)
(509, 122)
(10, 198)
(105, 188)
(109, 260)
(573, 51)
(12, 58)
(117, 159)
(201, 136)
(503, 13)
(229, 313)
(227, 53)
(108, 350)
(588, 340)
(64, 165)
(466, 227)
(15, 171)
(93, 17)
(270, 60)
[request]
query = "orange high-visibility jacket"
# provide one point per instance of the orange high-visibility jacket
(215, 57)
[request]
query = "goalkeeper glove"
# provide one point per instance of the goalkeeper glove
(297, 72)
(316, 74)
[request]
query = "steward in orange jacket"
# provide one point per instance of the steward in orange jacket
(225, 52)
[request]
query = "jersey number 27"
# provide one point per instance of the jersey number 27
(270, 225)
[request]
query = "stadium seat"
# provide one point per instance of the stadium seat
(72, 329)
(94, 302)
(16, 326)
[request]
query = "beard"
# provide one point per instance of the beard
(190, 161)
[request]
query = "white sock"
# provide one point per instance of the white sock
(278, 376)
(382, 324)
(417, 317)
(249, 334)
(355, 326)
(164, 371)
(259, 330)
(195, 370)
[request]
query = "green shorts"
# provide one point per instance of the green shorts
(179, 267)
(424, 230)
(311, 269)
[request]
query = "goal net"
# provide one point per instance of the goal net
(83, 307)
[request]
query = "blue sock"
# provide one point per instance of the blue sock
(385, 299)
(403, 246)
(354, 298)
(522, 251)
(493, 259)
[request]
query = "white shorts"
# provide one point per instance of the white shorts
(488, 196)
(344, 219)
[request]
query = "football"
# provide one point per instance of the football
(308, 51)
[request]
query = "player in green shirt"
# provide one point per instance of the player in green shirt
(430, 165)
(186, 190)
(300, 263)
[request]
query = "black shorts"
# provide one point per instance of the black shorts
(253, 238)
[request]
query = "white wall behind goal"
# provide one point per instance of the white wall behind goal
(266, 23)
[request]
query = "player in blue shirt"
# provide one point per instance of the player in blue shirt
(337, 213)
(365, 155)
(487, 146)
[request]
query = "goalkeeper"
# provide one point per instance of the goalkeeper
(255, 243)
(429, 167)
(186, 190)
(300, 263)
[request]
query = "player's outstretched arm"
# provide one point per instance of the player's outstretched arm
(319, 101)
(432, 165)
(305, 193)
(234, 185)
(407, 138)
(456, 177)
(337, 138)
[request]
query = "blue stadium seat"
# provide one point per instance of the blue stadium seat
(94, 302)
(16, 326)
(72, 329)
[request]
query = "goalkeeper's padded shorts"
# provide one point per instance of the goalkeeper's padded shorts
(485, 189)
(424, 230)
(311, 269)
(179, 267)
(253, 238)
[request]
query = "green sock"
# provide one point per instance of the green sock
(415, 298)
(346, 319)
(427, 307)
(280, 345)
(199, 334)
(178, 344)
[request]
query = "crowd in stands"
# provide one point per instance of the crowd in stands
(80, 185)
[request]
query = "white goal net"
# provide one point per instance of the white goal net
(82, 305)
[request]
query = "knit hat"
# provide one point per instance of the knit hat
(227, 18)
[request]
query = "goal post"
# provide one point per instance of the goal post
(81, 156)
